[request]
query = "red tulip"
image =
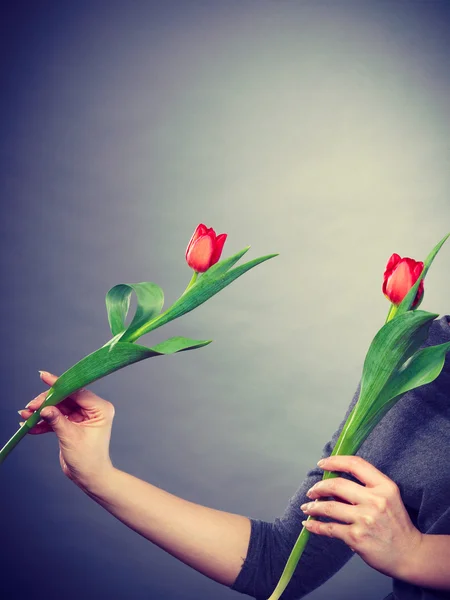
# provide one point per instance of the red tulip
(399, 277)
(204, 248)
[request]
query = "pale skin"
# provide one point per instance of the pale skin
(372, 518)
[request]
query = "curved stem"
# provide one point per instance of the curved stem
(296, 552)
(191, 283)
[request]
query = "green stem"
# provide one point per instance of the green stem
(392, 312)
(342, 447)
(22, 432)
(296, 552)
(191, 283)
(292, 562)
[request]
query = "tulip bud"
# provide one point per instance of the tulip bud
(399, 277)
(204, 248)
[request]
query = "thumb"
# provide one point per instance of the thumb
(56, 420)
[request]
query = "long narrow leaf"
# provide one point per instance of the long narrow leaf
(394, 343)
(205, 288)
(150, 300)
(94, 366)
(223, 266)
(423, 368)
(407, 301)
(102, 362)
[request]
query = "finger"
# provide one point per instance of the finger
(47, 377)
(349, 491)
(34, 404)
(73, 416)
(357, 466)
(65, 407)
(82, 397)
(335, 510)
(334, 530)
(38, 428)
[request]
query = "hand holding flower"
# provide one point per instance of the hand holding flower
(82, 423)
(395, 364)
(202, 254)
(374, 520)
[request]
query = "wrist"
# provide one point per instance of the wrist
(93, 483)
(408, 566)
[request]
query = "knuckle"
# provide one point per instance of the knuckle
(329, 529)
(356, 461)
(368, 520)
(379, 502)
(356, 535)
(332, 485)
(328, 508)
(393, 489)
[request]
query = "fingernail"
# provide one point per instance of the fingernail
(20, 412)
(21, 423)
(40, 373)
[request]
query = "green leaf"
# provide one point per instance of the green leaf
(422, 368)
(94, 366)
(150, 300)
(178, 344)
(104, 361)
(407, 301)
(206, 286)
(224, 265)
(395, 343)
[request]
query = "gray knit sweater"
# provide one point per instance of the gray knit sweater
(410, 445)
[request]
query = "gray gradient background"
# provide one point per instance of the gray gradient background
(319, 130)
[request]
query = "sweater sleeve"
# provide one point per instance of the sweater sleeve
(271, 543)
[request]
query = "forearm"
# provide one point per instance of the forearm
(429, 565)
(213, 542)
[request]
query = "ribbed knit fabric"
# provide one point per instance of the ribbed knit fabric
(411, 446)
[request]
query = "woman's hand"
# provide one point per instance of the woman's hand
(375, 525)
(82, 423)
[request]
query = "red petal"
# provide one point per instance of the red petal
(218, 247)
(417, 270)
(392, 263)
(199, 231)
(399, 283)
(418, 295)
(199, 255)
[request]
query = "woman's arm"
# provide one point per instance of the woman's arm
(213, 542)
